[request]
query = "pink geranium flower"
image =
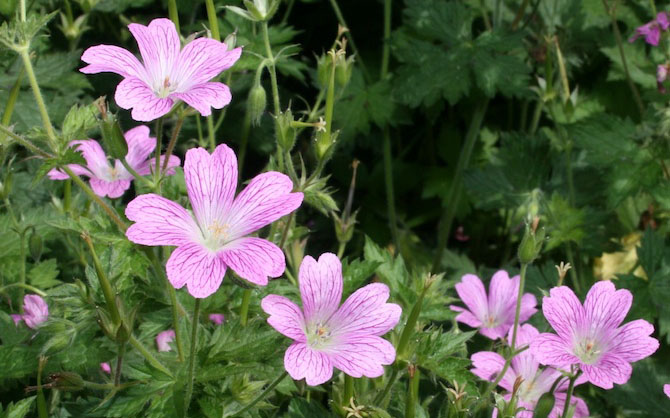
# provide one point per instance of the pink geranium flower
(535, 382)
(591, 336)
(106, 368)
(163, 340)
(652, 30)
(325, 336)
(114, 180)
(168, 73)
(666, 390)
(35, 310)
(494, 313)
(217, 318)
(215, 235)
(16, 318)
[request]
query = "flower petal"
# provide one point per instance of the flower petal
(562, 310)
(285, 316)
(362, 356)
(133, 93)
(528, 304)
(503, 291)
(57, 174)
(203, 97)
(366, 312)
(201, 270)
(159, 46)
(267, 198)
(211, 181)
(553, 350)
(662, 20)
(609, 369)
(35, 310)
(466, 317)
(302, 362)
(201, 60)
(254, 259)
(149, 166)
(140, 145)
(524, 363)
(666, 390)
(159, 221)
(487, 366)
(581, 409)
(113, 189)
(320, 286)
(605, 307)
(472, 293)
(633, 341)
(96, 160)
(112, 59)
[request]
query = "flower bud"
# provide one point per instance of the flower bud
(531, 244)
(231, 41)
(256, 103)
(324, 144)
(323, 66)
(343, 68)
(286, 132)
(544, 405)
(66, 381)
(35, 245)
(112, 136)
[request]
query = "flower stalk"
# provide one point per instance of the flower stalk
(348, 389)
(244, 310)
(568, 396)
(192, 355)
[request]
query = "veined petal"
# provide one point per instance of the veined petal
(57, 174)
(466, 316)
(159, 46)
(633, 341)
(96, 160)
(472, 293)
(267, 198)
(362, 356)
(201, 270)
(211, 181)
(503, 291)
(366, 312)
(488, 365)
(553, 350)
(285, 316)
(133, 93)
(201, 60)
(605, 307)
(112, 59)
(563, 310)
(302, 362)
(666, 390)
(528, 307)
(149, 166)
(203, 97)
(581, 409)
(112, 189)
(140, 145)
(610, 369)
(320, 286)
(254, 259)
(159, 221)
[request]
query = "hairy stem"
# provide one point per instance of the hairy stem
(453, 198)
(148, 356)
(210, 132)
(260, 397)
(244, 310)
(41, 401)
(517, 312)
(568, 395)
(412, 393)
(22, 261)
(379, 399)
(157, 152)
(105, 285)
(348, 389)
(25, 142)
(119, 363)
(386, 49)
(172, 143)
(46, 121)
(272, 69)
(173, 13)
(193, 354)
(213, 21)
(342, 22)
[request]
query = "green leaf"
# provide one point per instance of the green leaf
(301, 408)
(19, 409)
(651, 251)
(78, 121)
(43, 275)
(642, 395)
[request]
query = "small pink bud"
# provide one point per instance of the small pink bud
(105, 367)
(217, 318)
(163, 340)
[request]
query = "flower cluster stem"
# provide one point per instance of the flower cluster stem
(213, 20)
(25, 142)
(260, 397)
(22, 260)
(46, 121)
(412, 393)
(173, 13)
(453, 198)
(272, 69)
(568, 394)
(517, 312)
(379, 399)
(192, 356)
(388, 182)
(348, 389)
(172, 143)
(244, 310)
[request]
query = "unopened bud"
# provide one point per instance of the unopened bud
(256, 103)
(231, 41)
(66, 381)
(544, 405)
(286, 134)
(531, 244)
(324, 144)
(323, 66)
(113, 138)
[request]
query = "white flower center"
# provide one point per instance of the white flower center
(319, 336)
(217, 235)
(165, 89)
(588, 351)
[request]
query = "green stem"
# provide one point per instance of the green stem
(148, 356)
(173, 142)
(284, 234)
(412, 320)
(25, 286)
(260, 397)
(273, 71)
(105, 285)
(210, 132)
(192, 356)
(246, 129)
(48, 127)
(244, 310)
(536, 116)
(652, 4)
(624, 63)
(568, 395)
(119, 363)
(386, 49)
(173, 13)
(517, 312)
(26, 143)
(41, 401)
(22, 8)
(22, 261)
(213, 21)
(110, 212)
(412, 393)
(444, 228)
(519, 14)
(342, 22)
(13, 96)
(340, 249)
(198, 125)
(67, 195)
(573, 271)
(348, 389)
(134, 173)
(157, 152)
(388, 182)
(379, 399)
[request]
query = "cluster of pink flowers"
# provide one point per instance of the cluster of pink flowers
(35, 311)
(590, 339)
(652, 32)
